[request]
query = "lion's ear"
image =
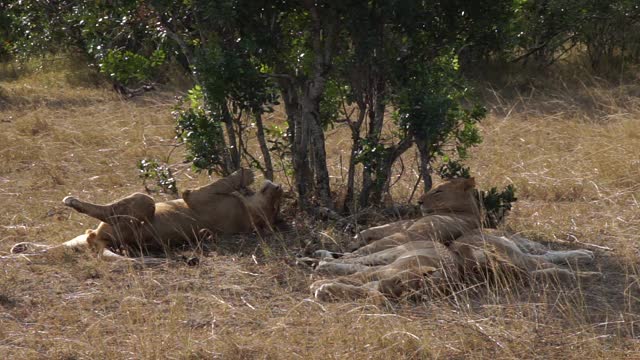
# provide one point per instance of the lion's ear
(427, 270)
(247, 176)
(469, 183)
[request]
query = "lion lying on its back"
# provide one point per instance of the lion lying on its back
(139, 225)
(446, 245)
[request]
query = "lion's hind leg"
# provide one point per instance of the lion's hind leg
(377, 284)
(239, 180)
(28, 247)
(138, 207)
(94, 241)
(31, 248)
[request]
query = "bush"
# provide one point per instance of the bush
(151, 169)
(127, 67)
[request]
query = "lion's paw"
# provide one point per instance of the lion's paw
(327, 291)
(587, 254)
(20, 248)
(326, 254)
(242, 178)
(560, 257)
(582, 255)
(71, 201)
(307, 262)
(317, 288)
(23, 247)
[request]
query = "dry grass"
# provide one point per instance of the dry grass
(576, 169)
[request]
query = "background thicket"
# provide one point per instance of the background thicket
(325, 63)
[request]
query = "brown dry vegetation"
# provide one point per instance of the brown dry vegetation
(573, 155)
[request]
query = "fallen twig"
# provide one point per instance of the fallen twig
(572, 239)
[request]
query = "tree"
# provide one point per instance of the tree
(400, 56)
(242, 50)
(326, 61)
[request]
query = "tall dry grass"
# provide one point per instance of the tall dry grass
(576, 170)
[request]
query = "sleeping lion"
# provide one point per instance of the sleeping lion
(138, 225)
(445, 246)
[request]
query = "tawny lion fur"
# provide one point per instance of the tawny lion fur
(139, 225)
(445, 246)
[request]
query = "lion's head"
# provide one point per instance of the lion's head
(271, 193)
(456, 195)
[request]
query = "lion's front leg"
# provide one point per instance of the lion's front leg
(336, 267)
(365, 237)
(383, 244)
(336, 291)
(237, 181)
(567, 256)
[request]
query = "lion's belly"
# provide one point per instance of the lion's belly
(227, 219)
(173, 224)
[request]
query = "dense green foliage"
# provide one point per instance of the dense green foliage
(495, 203)
(607, 31)
(118, 36)
(327, 62)
(198, 128)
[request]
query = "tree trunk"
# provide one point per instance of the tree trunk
(323, 190)
(311, 119)
(299, 139)
(268, 166)
(376, 120)
(355, 147)
(425, 163)
(351, 174)
(383, 174)
(234, 152)
(304, 113)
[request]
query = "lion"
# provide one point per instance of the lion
(446, 246)
(138, 225)
(449, 210)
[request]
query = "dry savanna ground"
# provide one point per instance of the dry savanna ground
(573, 153)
